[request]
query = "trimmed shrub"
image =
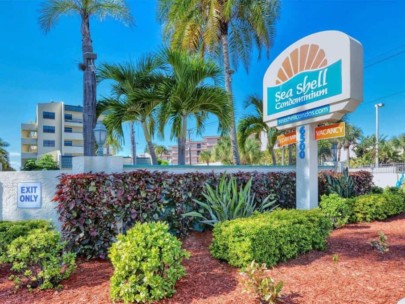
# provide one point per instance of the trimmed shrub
(147, 264)
(270, 237)
(336, 209)
(9, 231)
(95, 208)
(367, 208)
(38, 260)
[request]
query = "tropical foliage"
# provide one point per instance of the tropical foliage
(253, 126)
(190, 90)
(131, 99)
(225, 29)
(228, 201)
(45, 162)
(4, 156)
(51, 11)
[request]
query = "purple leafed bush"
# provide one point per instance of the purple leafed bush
(94, 208)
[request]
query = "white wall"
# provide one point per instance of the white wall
(8, 195)
(383, 176)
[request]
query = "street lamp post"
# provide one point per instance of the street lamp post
(377, 131)
(100, 133)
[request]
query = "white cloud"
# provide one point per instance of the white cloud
(15, 154)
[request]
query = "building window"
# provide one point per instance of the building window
(68, 130)
(68, 116)
(49, 143)
(48, 129)
(48, 115)
(68, 143)
(66, 162)
(198, 146)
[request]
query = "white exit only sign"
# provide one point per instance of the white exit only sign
(29, 195)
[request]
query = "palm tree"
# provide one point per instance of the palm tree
(253, 125)
(190, 91)
(353, 134)
(161, 150)
(132, 99)
(222, 151)
(50, 12)
(227, 27)
(399, 143)
(251, 153)
(4, 156)
(205, 156)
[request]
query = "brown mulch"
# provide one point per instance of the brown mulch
(361, 274)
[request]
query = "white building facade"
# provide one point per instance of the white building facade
(58, 131)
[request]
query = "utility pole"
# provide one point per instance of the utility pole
(189, 144)
(377, 132)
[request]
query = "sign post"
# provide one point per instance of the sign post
(317, 79)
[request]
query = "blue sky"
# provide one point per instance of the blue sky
(35, 67)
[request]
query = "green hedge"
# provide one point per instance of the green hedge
(367, 208)
(270, 237)
(92, 207)
(147, 264)
(9, 231)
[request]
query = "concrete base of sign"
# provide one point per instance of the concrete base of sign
(107, 164)
(307, 168)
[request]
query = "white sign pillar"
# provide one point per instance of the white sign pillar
(307, 168)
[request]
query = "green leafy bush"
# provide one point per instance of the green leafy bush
(381, 243)
(256, 280)
(93, 207)
(377, 190)
(228, 201)
(46, 162)
(367, 208)
(147, 264)
(336, 209)
(38, 260)
(9, 231)
(270, 237)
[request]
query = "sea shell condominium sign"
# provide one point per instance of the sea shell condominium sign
(318, 78)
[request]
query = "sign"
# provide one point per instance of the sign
(318, 78)
(29, 195)
(331, 131)
(286, 139)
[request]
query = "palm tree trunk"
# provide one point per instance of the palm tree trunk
(228, 87)
(339, 151)
(148, 139)
(182, 142)
(273, 156)
(133, 143)
(348, 157)
(89, 88)
(290, 155)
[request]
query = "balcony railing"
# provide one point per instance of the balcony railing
(73, 120)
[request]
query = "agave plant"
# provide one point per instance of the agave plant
(341, 185)
(228, 201)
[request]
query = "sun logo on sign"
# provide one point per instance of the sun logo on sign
(305, 58)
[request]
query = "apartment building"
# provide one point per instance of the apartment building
(193, 149)
(58, 131)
